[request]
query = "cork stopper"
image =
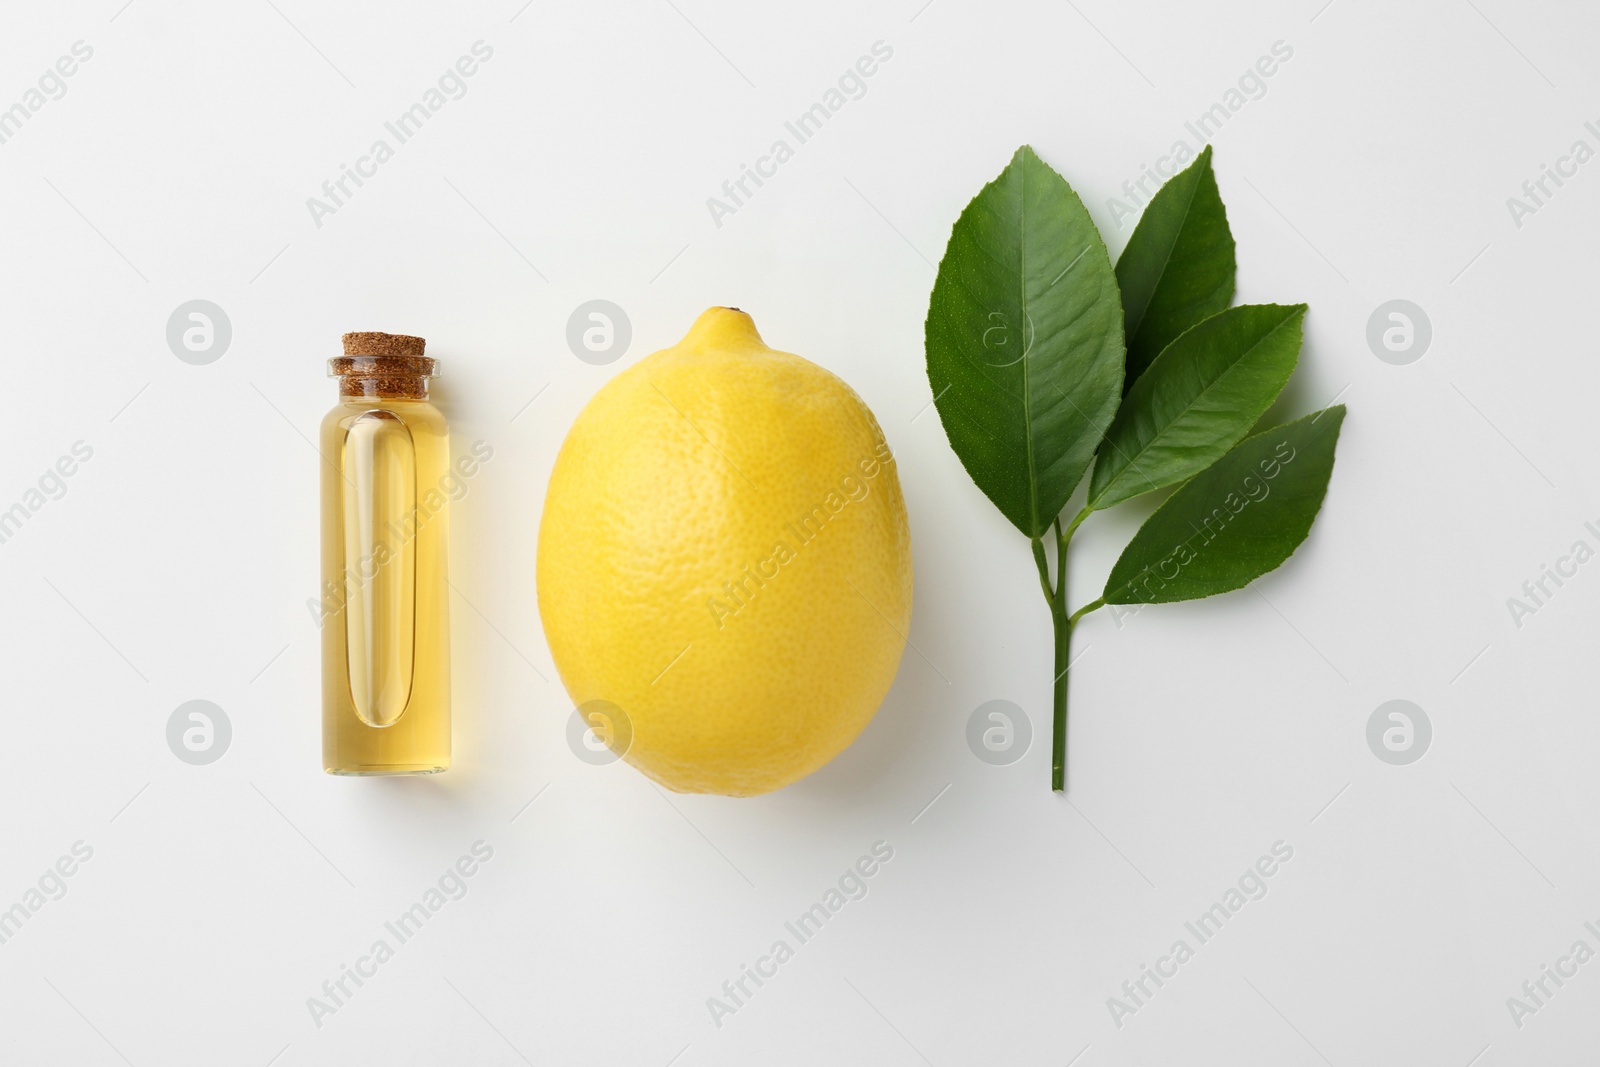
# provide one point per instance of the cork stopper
(383, 365)
(383, 344)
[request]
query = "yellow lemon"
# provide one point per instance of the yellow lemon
(724, 557)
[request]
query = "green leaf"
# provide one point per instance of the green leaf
(1197, 400)
(1178, 267)
(1024, 341)
(1235, 521)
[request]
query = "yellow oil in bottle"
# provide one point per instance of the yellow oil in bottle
(385, 521)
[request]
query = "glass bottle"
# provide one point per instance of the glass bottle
(385, 619)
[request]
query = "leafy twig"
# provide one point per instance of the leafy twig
(1197, 376)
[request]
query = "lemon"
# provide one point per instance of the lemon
(724, 557)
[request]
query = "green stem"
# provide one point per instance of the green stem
(1044, 571)
(1063, 629)
(1093, 605)
(1063, 624)
(1073, 526)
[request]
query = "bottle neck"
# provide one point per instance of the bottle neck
(377, 388)
(383, 377)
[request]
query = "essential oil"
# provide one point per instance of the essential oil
(386, 645)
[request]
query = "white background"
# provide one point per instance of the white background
(177, 565)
